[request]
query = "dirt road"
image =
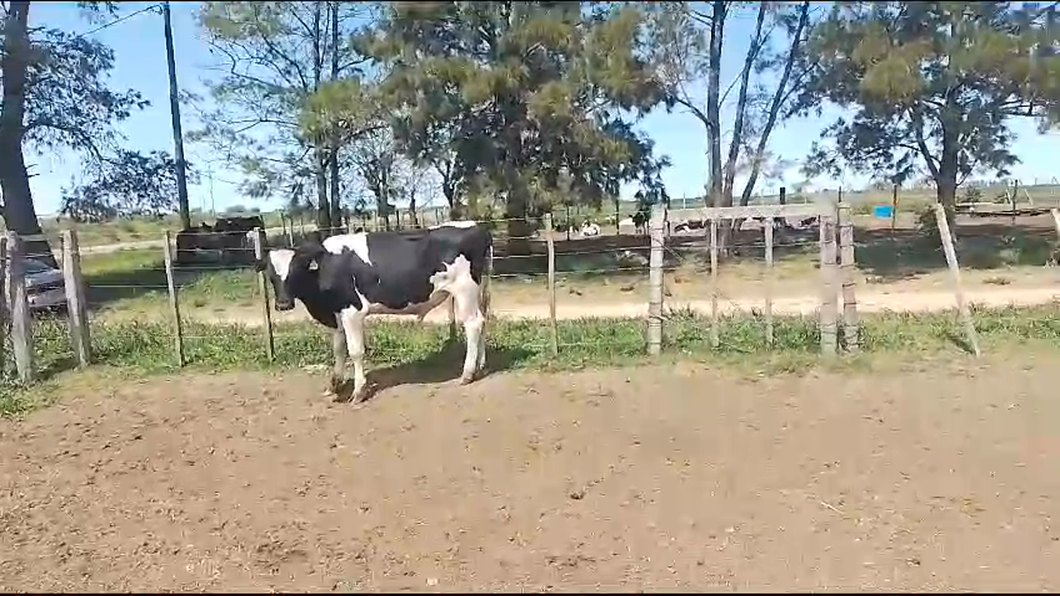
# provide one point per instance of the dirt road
(656, 478)
(800, 305)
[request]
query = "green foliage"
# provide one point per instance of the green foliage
(523, 98)
(275, 57)
(346, 109)
(126, 186)
(932, 86)
(67, 101)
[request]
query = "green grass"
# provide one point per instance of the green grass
(148, 348)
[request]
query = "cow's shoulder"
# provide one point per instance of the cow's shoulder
(353, 243)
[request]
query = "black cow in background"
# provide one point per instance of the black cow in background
(229, 238)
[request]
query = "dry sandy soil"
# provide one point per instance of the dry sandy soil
(666, 477)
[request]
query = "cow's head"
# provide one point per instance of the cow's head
(294, 273)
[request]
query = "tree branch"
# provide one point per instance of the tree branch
(779, 97)
(698, 113)
(921, 143)
(729, 172)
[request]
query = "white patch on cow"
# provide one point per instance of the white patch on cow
(281, 261)
(358, 243)
(454, 224)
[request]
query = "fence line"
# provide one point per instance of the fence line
(837, 313)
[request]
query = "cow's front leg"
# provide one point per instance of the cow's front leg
(353, 326)
(338, 351)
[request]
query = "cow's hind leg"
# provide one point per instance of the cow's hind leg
(468, 311)
(353, 326)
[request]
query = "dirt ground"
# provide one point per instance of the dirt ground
(670, 477)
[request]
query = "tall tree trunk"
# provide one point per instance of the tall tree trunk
(323, 208)
(336, 202)
(19, 212)
(414, 220)
(445, 170)
(518, 227)
(946, 180)
(717, 28)
(174, 114)
(776, 104)
(319, 152)
(741, 107)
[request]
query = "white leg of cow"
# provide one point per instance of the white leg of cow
(338, 350)
(484, 312)
(353, 326)
(469, 313)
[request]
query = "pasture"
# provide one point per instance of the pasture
(606, 275)
(745, 466)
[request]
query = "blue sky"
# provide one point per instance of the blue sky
(140, 59)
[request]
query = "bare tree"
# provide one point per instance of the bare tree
(688, 44)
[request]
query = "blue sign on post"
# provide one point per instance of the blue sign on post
(882, 211)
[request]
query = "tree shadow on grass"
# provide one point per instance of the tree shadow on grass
(905, 254)
(116, 284)
(443, 366)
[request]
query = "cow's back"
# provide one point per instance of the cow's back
(399, 265)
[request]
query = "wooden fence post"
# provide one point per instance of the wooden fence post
(769, 281)
(828, 314)
(174, 304)
(894, 206)
(263, 286)
(846, 266)
(955, 275)
(21, 318)
(655, 281)
(550, 243)
(76, 306)
(4, 302)
(715, 339)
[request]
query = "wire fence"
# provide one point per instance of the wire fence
(677, 281)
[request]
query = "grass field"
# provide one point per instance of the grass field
(993, 252)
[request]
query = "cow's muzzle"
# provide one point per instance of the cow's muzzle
(284, 305)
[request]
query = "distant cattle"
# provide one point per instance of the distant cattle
(640, 222)
(345, 278)
(229, 238)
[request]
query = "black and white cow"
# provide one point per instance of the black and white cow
(345, 278)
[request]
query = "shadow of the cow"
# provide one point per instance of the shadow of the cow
(441, 367)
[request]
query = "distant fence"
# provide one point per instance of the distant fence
(827, 225)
